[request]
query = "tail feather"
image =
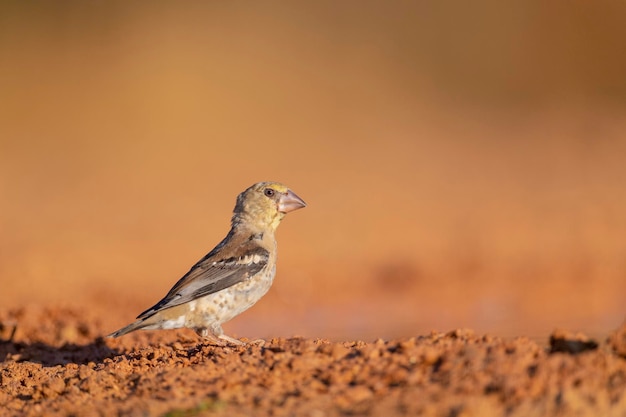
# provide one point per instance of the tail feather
(139, 324)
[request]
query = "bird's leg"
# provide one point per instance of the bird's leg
(207, 335)
(219, 333)
(215, 335)
(232, 340)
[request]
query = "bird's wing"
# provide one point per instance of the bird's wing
(214, 273)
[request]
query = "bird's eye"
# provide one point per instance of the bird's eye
(269, 192)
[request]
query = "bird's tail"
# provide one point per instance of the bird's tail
(139, 324)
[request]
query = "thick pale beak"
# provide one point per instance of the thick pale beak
(290, 202)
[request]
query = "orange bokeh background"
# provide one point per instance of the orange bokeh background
(464, 163)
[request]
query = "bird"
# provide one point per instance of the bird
(233, 276)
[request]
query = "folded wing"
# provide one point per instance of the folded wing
(211, 275)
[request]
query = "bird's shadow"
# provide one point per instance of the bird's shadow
(47, 355)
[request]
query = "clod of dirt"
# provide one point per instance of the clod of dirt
(569, 342)
(617, 341)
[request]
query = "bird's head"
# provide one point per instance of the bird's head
(263, 205)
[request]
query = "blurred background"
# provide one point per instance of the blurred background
(464, 163)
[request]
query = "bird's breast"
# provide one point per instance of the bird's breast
(228, 303)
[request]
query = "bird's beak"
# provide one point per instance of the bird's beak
(290, 202)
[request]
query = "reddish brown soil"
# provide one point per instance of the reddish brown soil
(55, 362)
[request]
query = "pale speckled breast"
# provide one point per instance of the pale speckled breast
(219, 307)
(224, 305)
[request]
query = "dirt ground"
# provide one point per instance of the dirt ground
(55, 362)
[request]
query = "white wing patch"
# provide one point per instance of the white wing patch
(244, 260)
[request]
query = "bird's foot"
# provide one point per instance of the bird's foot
(231, 340)
(219, 340)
